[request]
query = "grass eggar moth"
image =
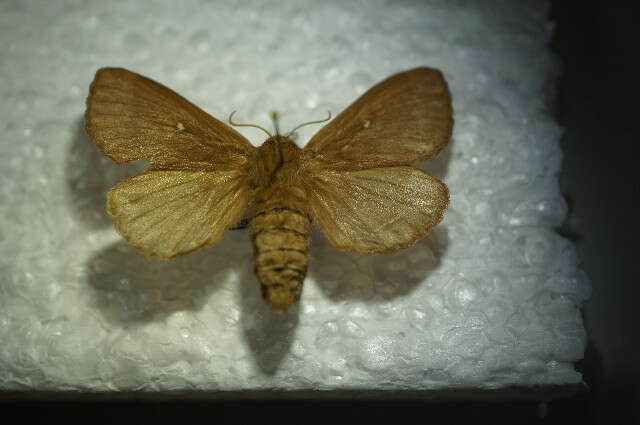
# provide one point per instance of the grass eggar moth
(353, 178)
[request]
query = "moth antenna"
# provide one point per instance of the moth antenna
(308, 123)
(246, 125)
(274, 116)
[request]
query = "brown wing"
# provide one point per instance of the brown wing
(403, 119)
(131, 117)
(375, 210)
(172, 212)
(197, 185)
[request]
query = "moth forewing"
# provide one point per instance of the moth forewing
(403, 119)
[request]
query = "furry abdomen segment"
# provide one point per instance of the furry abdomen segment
(280, 238)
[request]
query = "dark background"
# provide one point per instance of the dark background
(598, 43)
(597, 102)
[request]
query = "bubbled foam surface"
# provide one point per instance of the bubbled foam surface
(490, 299)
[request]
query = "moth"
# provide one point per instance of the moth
(353, 178)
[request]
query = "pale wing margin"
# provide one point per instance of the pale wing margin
(166, 213)
(376, 210)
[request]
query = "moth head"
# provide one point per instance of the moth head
(279, 139)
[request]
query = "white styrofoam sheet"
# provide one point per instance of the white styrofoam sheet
(489, 300)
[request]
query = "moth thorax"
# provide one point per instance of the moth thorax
(277, 161)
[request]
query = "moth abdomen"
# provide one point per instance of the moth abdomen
(280, 238)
